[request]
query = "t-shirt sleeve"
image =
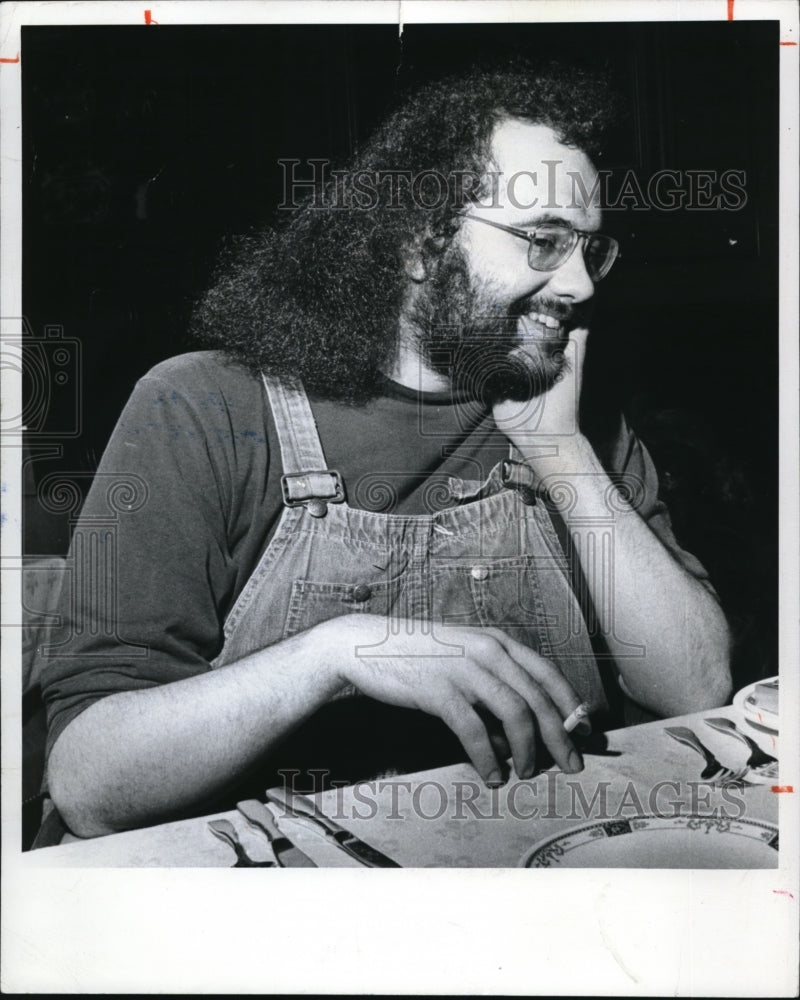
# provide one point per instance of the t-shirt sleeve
(150, 567)
(632, 468)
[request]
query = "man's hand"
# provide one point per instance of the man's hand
(494, 673)
(110, 770)
(545, 429)
(644, 598)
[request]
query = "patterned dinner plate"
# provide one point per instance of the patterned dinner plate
(660, 842)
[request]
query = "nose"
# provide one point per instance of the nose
(571, 280)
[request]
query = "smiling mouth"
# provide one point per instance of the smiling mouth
(542, 325)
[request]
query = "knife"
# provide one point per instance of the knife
(287, 855)
(300, 807)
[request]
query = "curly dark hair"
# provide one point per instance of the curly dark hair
(319, 297)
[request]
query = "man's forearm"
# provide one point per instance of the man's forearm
(136, 757)
(666, 631)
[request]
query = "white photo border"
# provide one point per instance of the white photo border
(609, 932)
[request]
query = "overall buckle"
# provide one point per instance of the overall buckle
(313, 490)
(520, 477)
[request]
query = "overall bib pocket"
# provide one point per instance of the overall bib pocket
(503, 593)
(312, 602)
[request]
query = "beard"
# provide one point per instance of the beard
(487, 348)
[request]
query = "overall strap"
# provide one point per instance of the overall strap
(306, 480)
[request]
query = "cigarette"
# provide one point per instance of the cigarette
(579, 720)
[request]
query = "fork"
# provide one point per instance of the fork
(225, 831)
(758, 761)
(713, 769)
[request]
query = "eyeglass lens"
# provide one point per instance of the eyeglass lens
(550, 246)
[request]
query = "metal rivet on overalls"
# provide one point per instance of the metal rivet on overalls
(317, 508)
(362, 593)
(480, 572)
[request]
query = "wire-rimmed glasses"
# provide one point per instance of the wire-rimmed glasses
(550, 244)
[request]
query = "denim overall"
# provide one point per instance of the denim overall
(489, 557)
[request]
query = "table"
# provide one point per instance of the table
(447, 818)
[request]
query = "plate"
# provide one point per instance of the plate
(757, 714)
(660, 842)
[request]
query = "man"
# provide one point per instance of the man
(351, 549)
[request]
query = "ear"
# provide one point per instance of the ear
(422, 256)
(416, 272)
(414, 265)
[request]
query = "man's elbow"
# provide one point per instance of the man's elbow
(713, 685)
(74, 793)
(700, 680)
(715, 693)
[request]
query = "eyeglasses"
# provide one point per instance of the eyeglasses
(550, 245)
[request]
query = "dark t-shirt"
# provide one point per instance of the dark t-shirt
(198, 449)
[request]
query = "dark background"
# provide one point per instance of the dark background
(145, 146)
